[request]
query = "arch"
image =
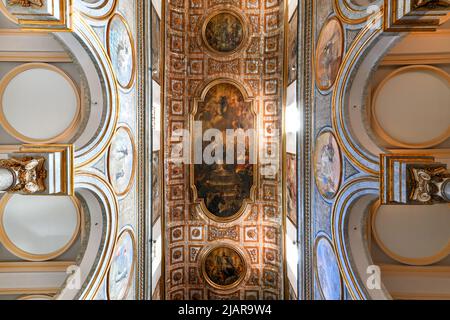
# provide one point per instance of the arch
(85, 44)
(350, 216)
(99, 236)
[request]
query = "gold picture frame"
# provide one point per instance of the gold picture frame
(243, 23)
(131, 182)
(200, 201)
(204, 255)
(131, 81)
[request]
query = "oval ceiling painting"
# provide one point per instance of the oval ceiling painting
(223, 177)
(327, 270)
(122, 161)
(224, 267)
(327, 165)
(330, 49)
(121, 51)
(122, 266)
(224, 32)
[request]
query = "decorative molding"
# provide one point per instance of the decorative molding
(24, 267)
(52, 15)
(413, 180)
(416, 59)
(28, 291)
(414, 15)
(34, 56)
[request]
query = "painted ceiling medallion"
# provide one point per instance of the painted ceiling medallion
(327, 165)
(121, 50)
(224, 32)
(224, 189)
(329, 52)
(122, 266)
(327, 270)
(122, 161)
(223, 267)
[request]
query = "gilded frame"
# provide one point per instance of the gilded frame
(200, 201)
(127, 129)
(131, 81)
(11, 247)
(330, 131)
(316, 53)
(204, 254)
(245, 35)
(322, 236)
(71, 128)
(127, 229)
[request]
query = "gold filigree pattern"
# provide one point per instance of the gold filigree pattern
(29, 174)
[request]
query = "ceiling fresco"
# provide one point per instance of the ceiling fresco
(223, 59)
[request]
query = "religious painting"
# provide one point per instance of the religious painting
(156, 45)
(156, 187)
(224, 267)
(291, 185)
(293, 47)
(121, 50)
(224, 32)
(122, 266)
(329, 52)
(327, 165)
(222, 186)
(327, 270)
(122, 161)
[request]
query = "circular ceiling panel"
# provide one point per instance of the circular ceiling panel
(411, 109)
(329, 53)
(416, 235)
(327, 164)
(122, 161)
(38, 228)
(39, 103)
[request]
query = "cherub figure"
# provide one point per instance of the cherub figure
(26, 3)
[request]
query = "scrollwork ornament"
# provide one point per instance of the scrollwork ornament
(29, 174)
